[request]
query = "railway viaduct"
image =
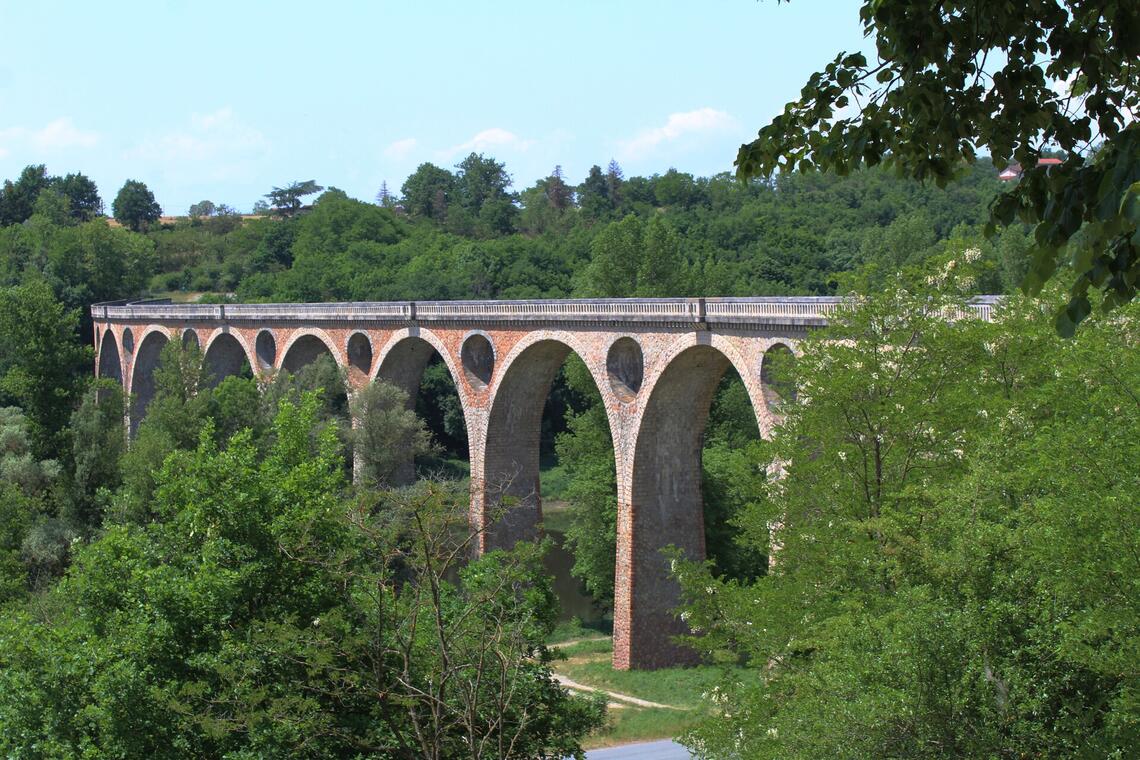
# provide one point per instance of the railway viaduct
(656, 362)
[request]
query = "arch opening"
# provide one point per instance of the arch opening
(478, 357)
(578, 491)
(128, 341)
(670, 480)
(142, 377)
(359, 352)
(777, 378)
(110, 361)
(415, 366)
(266, 349)
(544, 381)
(625, 365)
(304, 351)
(190, 339)
(225, 357)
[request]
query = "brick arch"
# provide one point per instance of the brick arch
(402, 361)
(225, 354)
(302, 348)
(147, 349)
(110, 360)
(510, 443)
(661, 502)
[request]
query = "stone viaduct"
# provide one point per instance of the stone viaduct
(656, 362)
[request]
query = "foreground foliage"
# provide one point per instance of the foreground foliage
(263, 612)
(956, 560)
(1012, 79)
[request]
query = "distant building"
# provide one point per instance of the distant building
(1013, 171)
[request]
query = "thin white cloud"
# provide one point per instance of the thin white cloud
(494, 138)
(58, 135)
(207, 150)
(61, 134)
(703, 121)
(211, 137)
(401, 148)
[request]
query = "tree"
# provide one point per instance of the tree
(18, 199)
(427, 192)
(949, 581)
(98, 442)
(42, 365)
(933, 99)
(557, 192)
(202, 208)
(286, 201)
(27, 553)
(384, 197)
(614, 180)
(264, 613)
(480, 180)
(135, 207)
(386, 435)
(635, 258)
(594, 195)
(82, 195)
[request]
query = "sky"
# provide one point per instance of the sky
(224, 101)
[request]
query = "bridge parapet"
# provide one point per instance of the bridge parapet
(808, 311)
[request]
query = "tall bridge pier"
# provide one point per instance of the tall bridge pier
(656, 363)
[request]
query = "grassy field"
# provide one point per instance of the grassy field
(588, 662)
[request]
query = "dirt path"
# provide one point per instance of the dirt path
(615, 698)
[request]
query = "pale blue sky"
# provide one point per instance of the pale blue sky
(225, 100)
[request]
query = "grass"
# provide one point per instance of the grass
(555, 516)
(572, 630)
(588, 663)
(679, 687)
(555, 481)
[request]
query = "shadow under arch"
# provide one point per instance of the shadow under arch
(225, 356)
(665, 506)
(110, 360)
(142, 375)
(511, 449)
(403, 361)
(306, 348)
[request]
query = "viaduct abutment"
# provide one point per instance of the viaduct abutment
(656, 363)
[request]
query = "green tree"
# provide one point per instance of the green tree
(265, 614)
(635, 258)
(594, 195)
(98, 442)
(428, 191)
(948, 581)
(286, 201)
(82, 194)
(18, 199)
(386, 435)
(42, 365)
(135, 207)
(202, 208)
(933, 60)
(28, 555)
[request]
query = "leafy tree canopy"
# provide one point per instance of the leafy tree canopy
(1013, 79)
(286, 201)
(135, 206)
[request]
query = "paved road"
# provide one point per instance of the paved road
(662, 750)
